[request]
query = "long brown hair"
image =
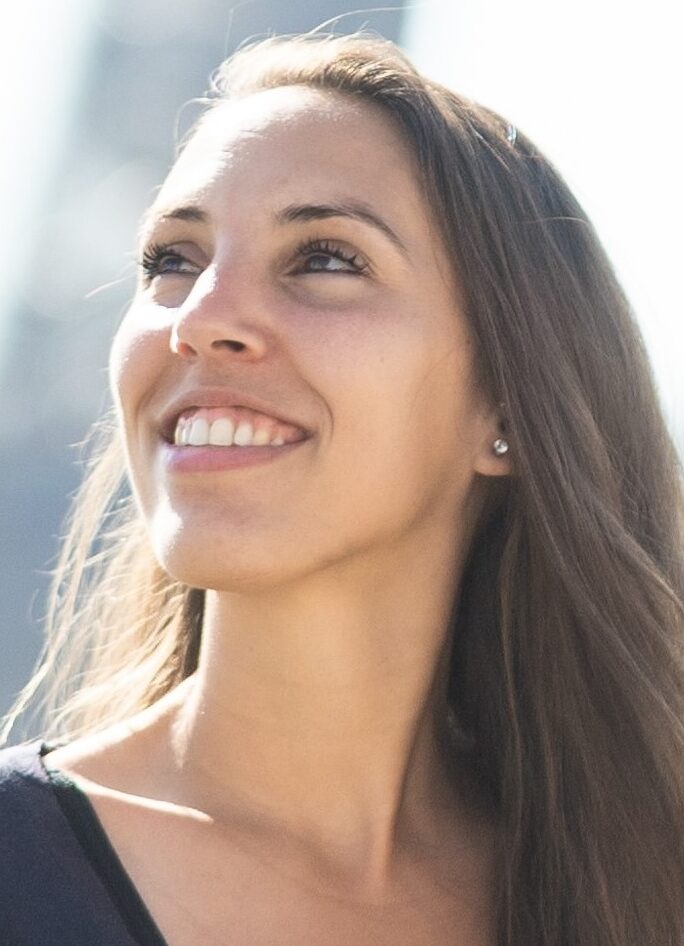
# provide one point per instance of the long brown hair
(568, 665)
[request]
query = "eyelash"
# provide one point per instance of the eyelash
(155, 253)
(327, 248)
(150, 262)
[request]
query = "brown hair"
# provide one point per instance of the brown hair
(567, 668)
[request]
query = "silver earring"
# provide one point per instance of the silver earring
(500, 447)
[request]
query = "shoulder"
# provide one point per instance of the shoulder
(30, 816)
(23, 782)
(49, 892)
(15, 760)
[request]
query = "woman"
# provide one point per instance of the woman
(387, 648)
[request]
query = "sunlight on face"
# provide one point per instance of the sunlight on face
(290, 259)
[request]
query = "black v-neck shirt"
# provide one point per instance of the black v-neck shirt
(61, 881)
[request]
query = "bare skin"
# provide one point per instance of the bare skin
(295, 789)
(208, 878)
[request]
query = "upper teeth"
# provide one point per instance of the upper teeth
(224, 432)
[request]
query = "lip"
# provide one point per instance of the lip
(221, 397)
(177, 459)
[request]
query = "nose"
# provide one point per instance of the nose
(220, 315)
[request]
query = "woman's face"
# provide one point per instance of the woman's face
(292, 273)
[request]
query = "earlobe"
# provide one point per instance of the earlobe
(496, 458)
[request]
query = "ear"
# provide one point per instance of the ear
(494, 446)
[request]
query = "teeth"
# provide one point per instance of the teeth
(199, 432)
(261, 437)
(180, 435)
(243, 434)
(221, 432)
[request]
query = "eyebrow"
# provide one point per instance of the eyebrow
(354, 210)
(293, 213)
(190, 212)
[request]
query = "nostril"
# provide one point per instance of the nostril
(182, 348)
(228, 343)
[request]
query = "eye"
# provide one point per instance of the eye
(163, 260)
(324, 256)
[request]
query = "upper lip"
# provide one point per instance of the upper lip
(220, 397)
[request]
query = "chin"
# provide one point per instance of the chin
(254, 553)
(220, 563)
(231, 570)
(226, 576)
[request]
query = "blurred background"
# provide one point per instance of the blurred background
(93, 94)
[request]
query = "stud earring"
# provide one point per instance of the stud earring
(500, 447)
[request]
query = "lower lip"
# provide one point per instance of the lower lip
(209, 459)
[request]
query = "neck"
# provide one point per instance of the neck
(317, 710)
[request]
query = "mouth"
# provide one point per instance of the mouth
(224, 427)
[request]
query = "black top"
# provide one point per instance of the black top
(61, 881)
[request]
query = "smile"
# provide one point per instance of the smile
(233, 427)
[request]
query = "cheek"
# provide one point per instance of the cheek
(138, 353)
(136, 365)
(403, 418)
(118, 361)
(418, 379)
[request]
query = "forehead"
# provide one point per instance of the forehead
(292, 143)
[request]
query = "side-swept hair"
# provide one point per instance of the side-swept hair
(568, 666)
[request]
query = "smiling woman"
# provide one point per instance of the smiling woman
(387, 635)
(341, 341)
